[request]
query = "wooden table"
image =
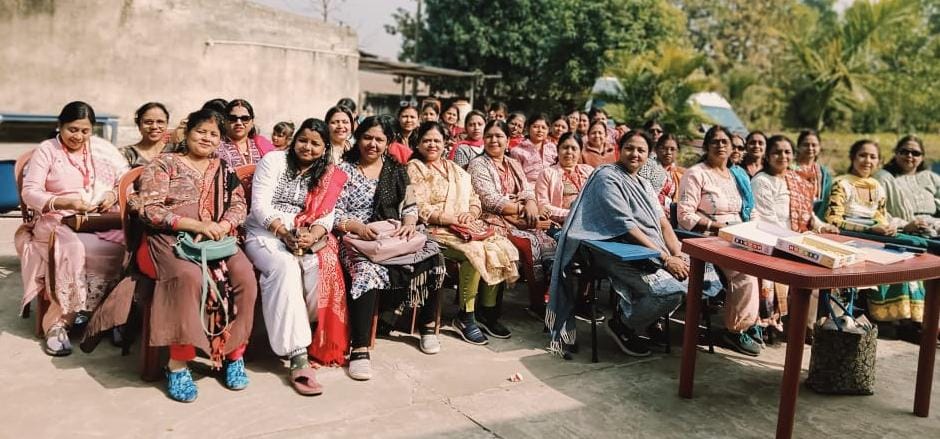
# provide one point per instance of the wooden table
(803, 277)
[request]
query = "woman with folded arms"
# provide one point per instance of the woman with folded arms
(71, 174)
(857, 203)
(710, 198)
(242, 144)
(378, 190)
(196, 192)
(445, 198)
(509, 204)
(151, 120)
(294, 194)
(536, 152)
(558, 185)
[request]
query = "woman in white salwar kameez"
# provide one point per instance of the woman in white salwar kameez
(294, 194)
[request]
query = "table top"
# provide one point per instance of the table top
(623, 252)
(798, 273)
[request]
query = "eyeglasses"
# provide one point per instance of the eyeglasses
(739, 147)
(656, 131)
(244, 119)
(910, 152)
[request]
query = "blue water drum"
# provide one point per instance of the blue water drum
(9, 196)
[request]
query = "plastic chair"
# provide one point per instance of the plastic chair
(28, 215)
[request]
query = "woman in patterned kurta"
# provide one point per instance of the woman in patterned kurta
(558, 186)
(857, 203)
(709, 199)
(72, 173)
(807, 166)
(509, 204)
(242, 144)
(445, 197)
(378, 190)
(913, 190)
(195, 192)
(294, 195)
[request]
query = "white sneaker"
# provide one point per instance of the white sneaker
(360, 366)
(430, 344)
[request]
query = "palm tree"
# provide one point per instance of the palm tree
(835, 66)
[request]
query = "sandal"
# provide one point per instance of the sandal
(180, 386)
(305, 382)
(57, 342)
(235, 376)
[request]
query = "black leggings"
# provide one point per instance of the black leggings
(360, 316)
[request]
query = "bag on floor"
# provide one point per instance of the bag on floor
(843, 354)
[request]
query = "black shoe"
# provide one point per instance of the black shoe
(630, 343)
(467, 326)
(582, 312)
(489, 323)
(657, 334)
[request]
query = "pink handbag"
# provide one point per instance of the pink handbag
(385, 246)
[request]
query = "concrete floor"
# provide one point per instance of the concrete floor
(462, 392)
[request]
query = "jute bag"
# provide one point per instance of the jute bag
(843, 354)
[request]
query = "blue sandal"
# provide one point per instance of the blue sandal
(235, 376)
(180, 386)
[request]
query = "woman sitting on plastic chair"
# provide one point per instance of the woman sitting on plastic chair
(445, 197)
(197, 193)
(618, 204)
(70, 174)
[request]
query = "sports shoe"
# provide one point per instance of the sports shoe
(582, 312)
(57, 342)
(429, 343)
(180, 386)
(488, 321)
(360, 366)
(468, 329)
(235, 376)
(743, 343)
(626, 338)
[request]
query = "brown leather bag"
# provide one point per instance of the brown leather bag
(93, 222)
(475, 231)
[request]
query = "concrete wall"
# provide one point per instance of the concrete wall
(118, 54)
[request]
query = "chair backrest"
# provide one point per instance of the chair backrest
(125, 188)
(19, 169)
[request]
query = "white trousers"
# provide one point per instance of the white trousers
(288, 305)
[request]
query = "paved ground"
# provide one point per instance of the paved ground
(462, 392)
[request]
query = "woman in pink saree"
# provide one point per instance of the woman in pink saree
(70, 174)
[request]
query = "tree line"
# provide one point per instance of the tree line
(782, 63)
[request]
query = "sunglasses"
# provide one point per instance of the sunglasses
(739, 147)
(656, 131)
(244, 119)
(910, 152)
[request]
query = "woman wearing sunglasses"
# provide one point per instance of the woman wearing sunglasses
(242, 144)
(913, 190)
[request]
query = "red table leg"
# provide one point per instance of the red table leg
(790, 387)
(693, 309)
(928, 349)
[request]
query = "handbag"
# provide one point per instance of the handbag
(201, 253)
(385, 246)
(475, 231)
(93, 222)
(842, 360)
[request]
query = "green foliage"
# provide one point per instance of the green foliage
(549, 52)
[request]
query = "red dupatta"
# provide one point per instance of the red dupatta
(331, 338)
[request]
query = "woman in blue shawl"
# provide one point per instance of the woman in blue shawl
(617, 204)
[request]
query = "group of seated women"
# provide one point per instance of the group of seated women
(330, 204)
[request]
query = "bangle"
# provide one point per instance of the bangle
(708, 226)
(343, 225)
(51, 205)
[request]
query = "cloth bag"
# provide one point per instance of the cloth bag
(843, 354)
(385, 246)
